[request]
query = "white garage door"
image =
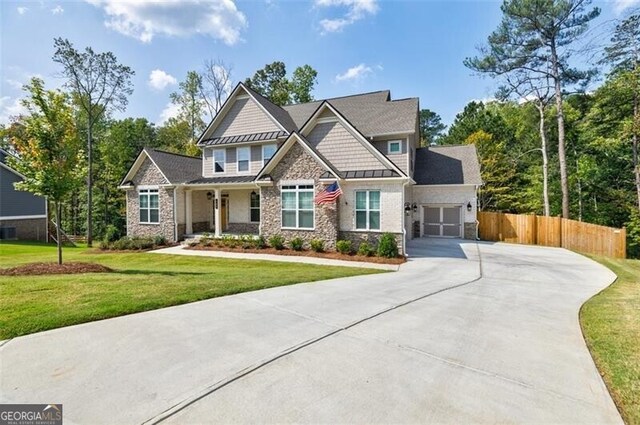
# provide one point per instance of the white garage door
(443, 221)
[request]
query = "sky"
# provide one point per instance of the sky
(413, 48)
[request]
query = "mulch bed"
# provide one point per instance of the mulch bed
(306, 253)
(33, 269)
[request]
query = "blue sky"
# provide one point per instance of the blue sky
(413, 48)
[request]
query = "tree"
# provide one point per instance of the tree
(216, 85)
(623, 54)
(175, 136)
(533, 36)
(99, 83)
(271, 82)
(50, 153)
(191, 104)
(431, 127)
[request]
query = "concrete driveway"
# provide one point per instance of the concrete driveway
(463, 333)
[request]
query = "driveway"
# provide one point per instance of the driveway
(463, 333)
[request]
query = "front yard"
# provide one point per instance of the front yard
(611, 326)
(139, 282)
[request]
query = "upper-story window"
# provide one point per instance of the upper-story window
(394, 146)
(218, 160)
(267, 152)
(243, 159)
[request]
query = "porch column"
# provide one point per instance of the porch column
(218, 206)
(188, 214)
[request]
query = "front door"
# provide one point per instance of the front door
(443, 221)
(224, 213)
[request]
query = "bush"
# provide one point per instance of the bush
(104, 245)
(204, 241)
(365, 249)
(230, 241)
(276, 242)
(247, 242)
(633, 234)
(317, 245)
(388, 246)
(111, 234)
(141, 243)
(159, 240)
(122, 244)
(343, 247)
(261, 243)
(296, 244)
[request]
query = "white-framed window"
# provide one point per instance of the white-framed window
(243, 155)
(219, 158)
(149, 206)
(254, 207)
(368, 209)
(267, 152)
(297, 206)
(394, 146)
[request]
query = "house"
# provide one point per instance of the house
(263, 165)
(23, 215)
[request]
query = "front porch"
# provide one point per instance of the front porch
(217, 210)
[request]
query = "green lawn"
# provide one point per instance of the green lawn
(611, 325)
(141, 281)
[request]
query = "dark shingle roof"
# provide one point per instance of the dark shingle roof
(177, 168)
(218, 180)
(270, 135)
(371, 113)
(362, 174)
(276, 111)
(447, 165)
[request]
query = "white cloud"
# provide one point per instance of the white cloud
(620, 6)
(159, 80)
(22, 10)
(356, 10)
(144, 19)
(355, 73)
(10, 108)
(58, 10)
(171, 110)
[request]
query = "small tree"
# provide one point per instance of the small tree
(192, 105)
(50, 153)
(216, 84)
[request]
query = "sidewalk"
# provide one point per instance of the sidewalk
(180, 250)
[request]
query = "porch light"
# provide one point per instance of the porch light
(209, 196)
(414, 207)
(469, 206)
(407, 207)
(253, 193)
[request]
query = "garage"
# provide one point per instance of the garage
(442, 221)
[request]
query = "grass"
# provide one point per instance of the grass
(141, 282)
(611, 326)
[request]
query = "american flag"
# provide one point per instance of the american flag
(330, 194)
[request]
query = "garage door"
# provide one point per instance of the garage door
(444, 221)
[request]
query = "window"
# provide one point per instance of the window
(395, 146)
(255, 207)
(243, 159)
(297, 206)
(149, 208)
(267, 153)
(368, 209)
(218, 160)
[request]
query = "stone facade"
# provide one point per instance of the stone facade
(243, 228)
(149, 175)
(470, 230)
(297, 164)
(372, 238)
(31, 229)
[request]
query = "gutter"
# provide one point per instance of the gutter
(404, 227)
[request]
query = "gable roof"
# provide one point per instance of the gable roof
(442, 165)
(274, 110)
(175, 168)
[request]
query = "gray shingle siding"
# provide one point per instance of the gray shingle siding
(244, 117)
(15, 202)
(341, 148)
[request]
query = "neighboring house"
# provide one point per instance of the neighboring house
(262, 166)
(22, 214)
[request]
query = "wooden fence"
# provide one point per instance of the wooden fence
(553, 231)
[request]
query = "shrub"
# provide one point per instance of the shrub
(111, 234)
(296, 244)
(122, 244)
(317, 245)
(140, 243)
(206, 241)
(633, 234)
(343, 247)
(261, 243)
(388, 246)
(365, 249)
(104, 245)
(159, 240)
(247, 242)
(230, 242)
(276, 242)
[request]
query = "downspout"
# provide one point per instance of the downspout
(404, 220)
(175, 221)
(477, 221)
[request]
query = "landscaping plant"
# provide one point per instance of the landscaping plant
(343, 247)
(365, 249)
(296, 244)
(388, 246)
(317, 245)
(276, 242)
